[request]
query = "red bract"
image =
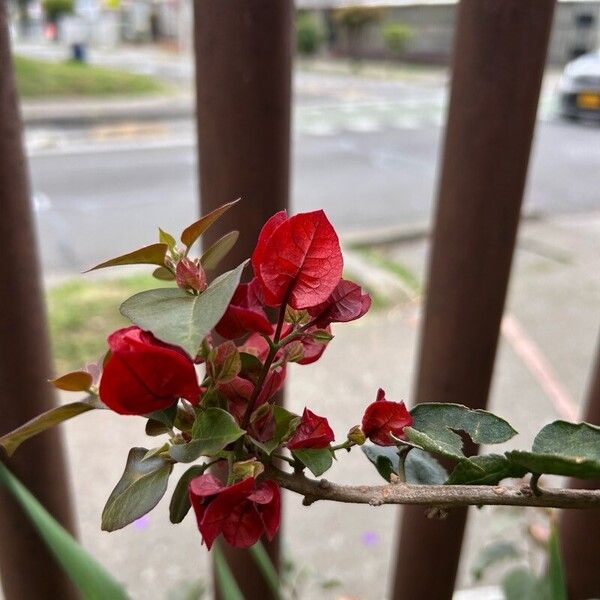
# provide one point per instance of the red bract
(241, 512)
(312, 350)
(312, 432)
(298, 260)
(346, 303)
(383, 418)
(144, 374)
(245, 313)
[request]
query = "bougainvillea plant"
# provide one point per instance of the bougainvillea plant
(204, 360)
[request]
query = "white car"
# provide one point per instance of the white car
(579, 87)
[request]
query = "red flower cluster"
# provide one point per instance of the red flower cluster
(144, 374)
(297, 266)
(384, 418)
(241, 512)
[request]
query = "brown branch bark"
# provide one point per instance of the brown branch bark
(439, 496)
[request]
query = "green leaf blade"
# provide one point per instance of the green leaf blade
(90, 578)
(316, 460)
(419, 466)
(434, 426)
(487, 469)
(213, 430)
(148, 255)
(177, 317)
(562, 448)
(180, 500)
(211, 258)
(140, 489)
(195, 230)
(12, 440)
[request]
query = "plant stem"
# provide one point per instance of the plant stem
(445, 496)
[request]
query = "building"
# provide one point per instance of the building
(576, 27)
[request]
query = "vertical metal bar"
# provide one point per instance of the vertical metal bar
(580, 533)
(499, 53)
(243, 90)
(27, 569)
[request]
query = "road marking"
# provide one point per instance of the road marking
(535, 362)
(539, 366)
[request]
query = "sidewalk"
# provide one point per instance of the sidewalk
(551, 320)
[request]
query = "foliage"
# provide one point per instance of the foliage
(354, 18)
(212, 398)
(89, 577)
(55, 9)
(354, 21)
(81, 314)
(396, 36)
(309, 34)
(37, 78)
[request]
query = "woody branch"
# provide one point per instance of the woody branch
(442, 496)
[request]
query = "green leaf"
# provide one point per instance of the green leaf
(75, 381)
(228, 587)
(213, 430)
(251, 366)
(180, 500)
(285, 423)
(488, 469)
(195, 230)
(154, 428)
(142, 485)
(88, 576)
(492, 554)
(12, 440)
(166, 238)
(434, 427)
(216, 428)
(148, 255)
(522, 584)
(419, 467)
(557, 580)
(265, 566)
(562, 448)
(316, 460)
(166, 416)
(163, 274)
(219, 250)
(177, 317)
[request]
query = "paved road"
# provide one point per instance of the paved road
(365, 151)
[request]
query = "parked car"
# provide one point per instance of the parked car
(579, 87)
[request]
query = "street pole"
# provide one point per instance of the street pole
(580, 534)
(27, 569)
(243, 91)
(498, 62)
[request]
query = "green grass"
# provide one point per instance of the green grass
(83, 313)
(401, 271)
(39, 78)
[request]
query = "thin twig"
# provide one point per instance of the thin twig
(444, 496)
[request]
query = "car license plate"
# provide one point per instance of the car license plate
(589, 100)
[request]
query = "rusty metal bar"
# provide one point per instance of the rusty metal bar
(580, 534)
(499, 54)
(243, 90)
(27, 569)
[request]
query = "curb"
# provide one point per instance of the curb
(74, 112)
(411, 232)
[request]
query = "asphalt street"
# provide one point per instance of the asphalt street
(365, 151)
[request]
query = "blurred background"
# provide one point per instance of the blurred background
(107, 93)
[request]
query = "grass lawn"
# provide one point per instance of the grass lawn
(41, 78)
(83, 313)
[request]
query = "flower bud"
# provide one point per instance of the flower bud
(357, 436)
